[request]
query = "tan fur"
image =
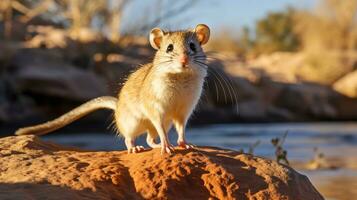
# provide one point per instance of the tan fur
(162, 93)
(73, 115)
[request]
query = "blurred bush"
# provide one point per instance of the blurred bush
(227, 41)
(275, 32)
(328, 36)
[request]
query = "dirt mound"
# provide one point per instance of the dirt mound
(33, 169)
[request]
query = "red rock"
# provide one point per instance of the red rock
(33, 169)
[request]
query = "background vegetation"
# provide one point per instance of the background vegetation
(292, 65)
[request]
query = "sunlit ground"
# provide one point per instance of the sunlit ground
(337, 141)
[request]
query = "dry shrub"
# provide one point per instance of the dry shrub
(332, 25)
(329, 38)
(275, 33)
(225, 41)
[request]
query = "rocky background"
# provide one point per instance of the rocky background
(290, 71)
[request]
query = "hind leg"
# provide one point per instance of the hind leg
(150, 138)
(129, 127)
(130, 145)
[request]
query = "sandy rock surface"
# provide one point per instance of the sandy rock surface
(34, 169)
(347, 85)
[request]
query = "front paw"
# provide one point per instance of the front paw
(136, 149)
(167, 148)
(185, 145)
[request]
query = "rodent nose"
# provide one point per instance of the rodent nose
(183, 59)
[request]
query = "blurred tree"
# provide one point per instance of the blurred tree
(114, 18)
(8, 9)
(77, 15)
(275, 33)
(6, 16)
(160, 11)
(21, 10)
(83, 18)
(245, 40)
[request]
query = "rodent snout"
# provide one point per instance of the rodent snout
(183, 59)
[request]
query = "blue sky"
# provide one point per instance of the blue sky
(242, 12)
(218, 14)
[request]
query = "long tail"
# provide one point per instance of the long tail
(105, 102)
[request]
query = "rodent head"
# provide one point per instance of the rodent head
(180, 51)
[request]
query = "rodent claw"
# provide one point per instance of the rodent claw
(185, 145)
(167, 149)
(136, 149)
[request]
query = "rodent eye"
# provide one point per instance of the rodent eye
(192, 46)
(170, 48)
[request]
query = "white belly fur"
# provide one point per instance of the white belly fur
(183, 96)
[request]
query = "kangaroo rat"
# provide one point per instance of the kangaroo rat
(155, 96)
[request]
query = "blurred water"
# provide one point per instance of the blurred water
(338, 141)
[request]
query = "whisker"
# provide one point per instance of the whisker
(225, 82)
(235, 94)
(216, 90)
(215, 84)
(201, 60)
(216, 56)
(174, 53)
(219, 81)
(231, 89)
(163, 62)
(228, 83)
(200, 56)
(200, 64)
(209, 89)
(170, 57)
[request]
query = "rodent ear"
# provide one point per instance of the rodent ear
(202, 31)
(156, 36)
